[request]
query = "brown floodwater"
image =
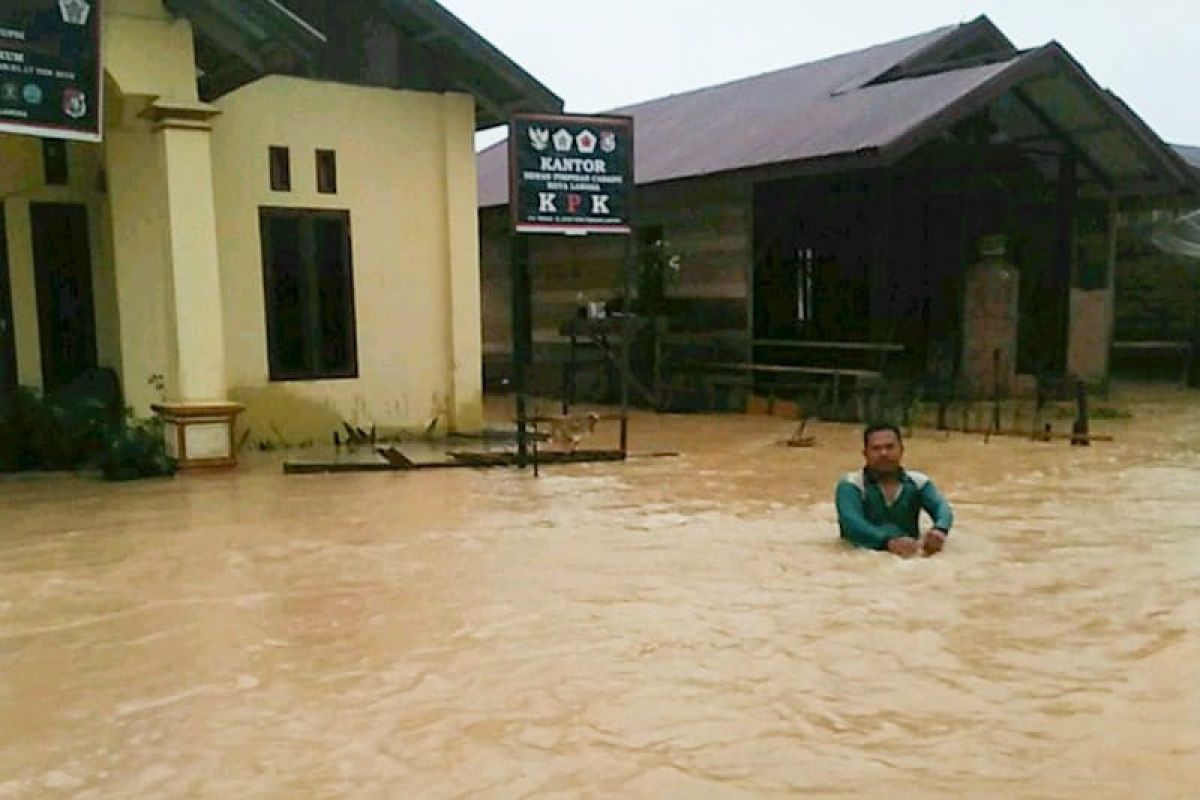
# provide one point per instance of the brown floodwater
(683, 628)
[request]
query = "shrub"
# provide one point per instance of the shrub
(75, 432)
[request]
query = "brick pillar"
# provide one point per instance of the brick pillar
(990, 316)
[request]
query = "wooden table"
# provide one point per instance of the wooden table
(783, 369)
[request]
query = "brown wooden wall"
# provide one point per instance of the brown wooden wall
(708, 222)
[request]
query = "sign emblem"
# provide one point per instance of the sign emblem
(608, 141)
(32, 94)
(586, 141)
(75, 12)
(563, 140)
(9, 93)
(74, 103)
(539, 138)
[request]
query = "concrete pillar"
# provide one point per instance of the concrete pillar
(182, 136)
(199, 420)
(990, 318)
(462, 232)
(1093, 317)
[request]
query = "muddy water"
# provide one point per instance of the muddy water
(664, 628)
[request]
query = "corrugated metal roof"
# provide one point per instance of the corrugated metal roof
(1190, 154)
(814, 111)
(740, 123)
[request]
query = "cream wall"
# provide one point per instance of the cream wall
(22, 182)
(157, 152)
(137, 203)
(406, 174)
(147, 51)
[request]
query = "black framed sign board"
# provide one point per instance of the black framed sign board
(571, 174)
(50, 72)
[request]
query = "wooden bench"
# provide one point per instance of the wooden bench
(1186, 348)
(835, 374)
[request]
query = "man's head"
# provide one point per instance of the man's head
(883, 448)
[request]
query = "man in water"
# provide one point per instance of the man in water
(878, 506)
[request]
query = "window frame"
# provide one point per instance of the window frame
(279, 168)
(327, 171)
(276, 373)
(56, 162)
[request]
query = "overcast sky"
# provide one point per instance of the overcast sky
(604, 54)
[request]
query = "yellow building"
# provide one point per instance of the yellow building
(281, 215)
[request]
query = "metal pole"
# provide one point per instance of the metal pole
(627, 329)
(522, 335)
(629, 276)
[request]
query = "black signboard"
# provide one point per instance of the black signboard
(50, 81)
(571, 174)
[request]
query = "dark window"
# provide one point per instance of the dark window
(281, 169)
(54, 162)
(309, 292)
(326, 172)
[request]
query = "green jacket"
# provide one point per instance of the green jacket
(866, 519)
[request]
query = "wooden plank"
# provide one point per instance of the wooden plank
(460, 460)
(887, 347)
(781, 369)
(1181, 346)
(737, 335)
(508, 459)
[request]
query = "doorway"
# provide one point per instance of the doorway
(62, 261)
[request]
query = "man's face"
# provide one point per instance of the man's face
(883, 452)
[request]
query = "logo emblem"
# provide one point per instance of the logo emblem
(74, 103)
(608, 141)
(9, 93)
(32, 94)
(586, 141)
(563, 140)
(75, 12)
(539, 138)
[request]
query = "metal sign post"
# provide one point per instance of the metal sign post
(568, 175)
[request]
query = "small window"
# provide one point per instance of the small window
(281, 169)
(54, 162)
(309, 292)
(327, 172)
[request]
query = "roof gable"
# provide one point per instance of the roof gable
(973, 44)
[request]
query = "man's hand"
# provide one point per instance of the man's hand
(933, 542)
(904, 546)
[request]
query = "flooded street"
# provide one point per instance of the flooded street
(685, 627)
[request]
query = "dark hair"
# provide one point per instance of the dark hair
(876, 427)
